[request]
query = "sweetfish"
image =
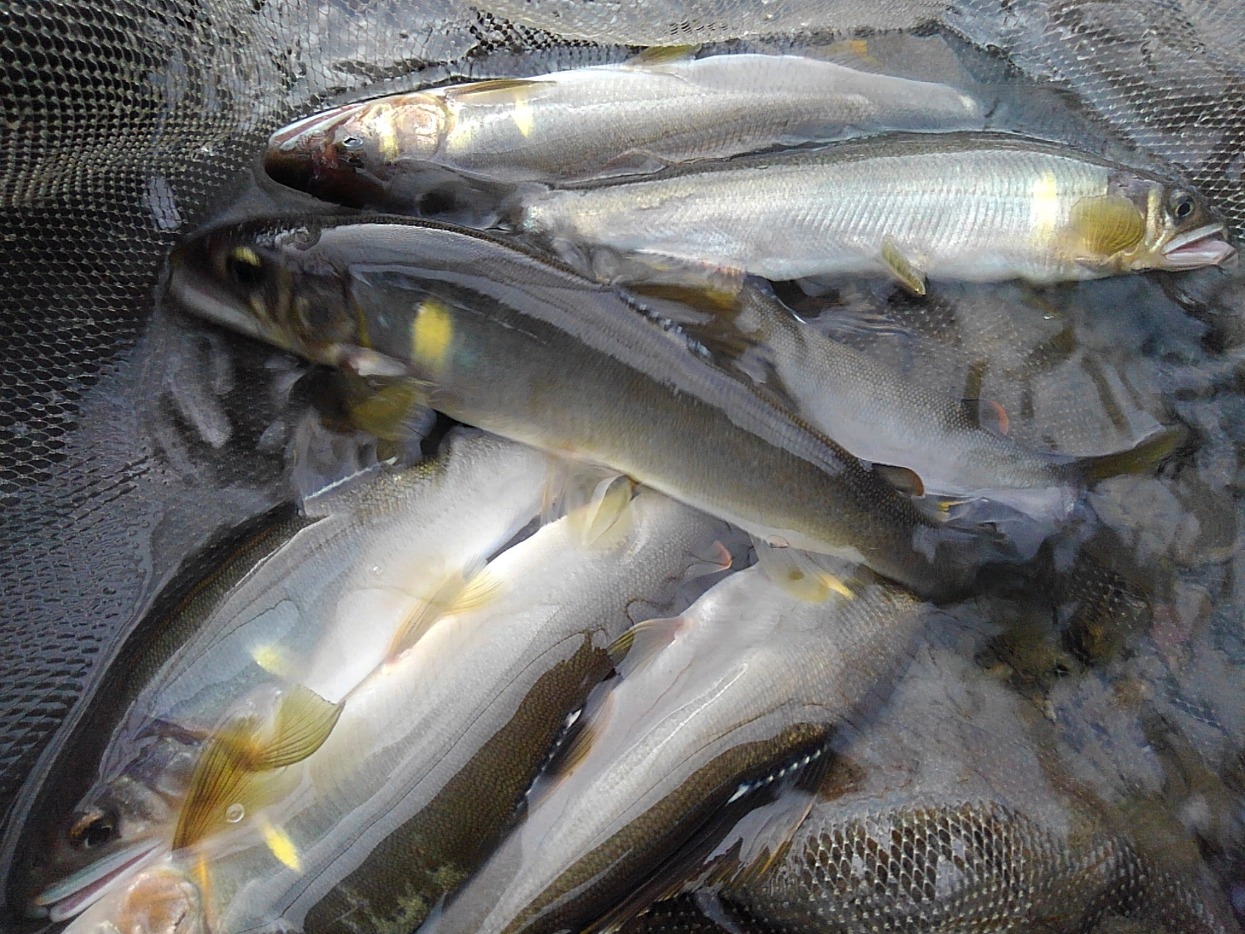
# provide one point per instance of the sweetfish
(265, 652)
(433, 752)
(970, 206)
(709, 710)
(887, 417)
(595, 122)
(508, 341)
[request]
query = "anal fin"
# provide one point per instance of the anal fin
(901, 267)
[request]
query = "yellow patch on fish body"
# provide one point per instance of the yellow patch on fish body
(524, 119)
(1045, 213)
(432, 333)
(271, 659)
(279, 842)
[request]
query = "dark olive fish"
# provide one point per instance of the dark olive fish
(507, 341)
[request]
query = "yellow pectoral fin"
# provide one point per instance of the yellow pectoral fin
(223, 788)
(901, 268)
(1100, 227)
(393, 412)
(215, 785)
(801, 575)
(304, 721)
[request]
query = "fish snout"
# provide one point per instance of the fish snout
(1203, 246)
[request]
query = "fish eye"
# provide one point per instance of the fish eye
(245, 267)
(1182, 205)
(92, 830)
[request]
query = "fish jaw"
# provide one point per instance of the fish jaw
(303, 152)
(1202, 246)
(156, 899)
(79, 891)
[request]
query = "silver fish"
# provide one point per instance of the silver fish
(707, 707)
(600, 121)
(260, 679)
(974, 206)
(506, 340)
(433, 752)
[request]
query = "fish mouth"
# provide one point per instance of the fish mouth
(309, 132)
(75, 893)
(1202, 246)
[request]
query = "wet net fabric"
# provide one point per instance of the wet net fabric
(128, 438)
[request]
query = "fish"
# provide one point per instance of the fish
(508, 341)
(708, 710)
(968, 206)
(890, 418)
(433, 752)
(594, 122)
(267, 650)
(953, 808)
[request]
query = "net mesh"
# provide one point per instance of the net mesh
(128, 437)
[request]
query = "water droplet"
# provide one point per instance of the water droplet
(235, 812)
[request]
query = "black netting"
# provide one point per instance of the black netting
(128, 437)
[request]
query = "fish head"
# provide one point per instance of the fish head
(155, 899)
(116, 825)
(346, 154)
(1170, 228)
(267, 280)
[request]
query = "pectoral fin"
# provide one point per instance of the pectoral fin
(802, 575)
(643, 642)
(393, 411)
(605, 515)
(223, 786)
(901, 268)
(1100, 227)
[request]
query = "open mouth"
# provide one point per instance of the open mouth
(298, 135)
(1202, 246)
(79, 891)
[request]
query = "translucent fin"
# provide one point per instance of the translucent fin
(1138, 459)
(663, 55)
(1101, 226)
(460, 592)
(604, 512)
(304, 721)
(904, 479)
(495, 90)
(221, 783)
(394, 412)
(901, 268)
(574, 749)
(643, 642)
(801, 574)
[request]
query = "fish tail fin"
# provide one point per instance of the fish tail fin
(1140, 458)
